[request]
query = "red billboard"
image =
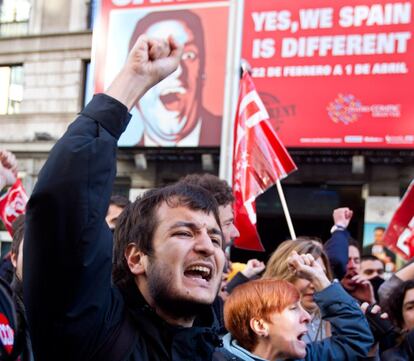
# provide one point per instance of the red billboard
(334, 73)
(186, 108)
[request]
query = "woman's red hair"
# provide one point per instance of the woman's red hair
(256, 299)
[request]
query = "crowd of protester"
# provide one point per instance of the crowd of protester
(109, 279)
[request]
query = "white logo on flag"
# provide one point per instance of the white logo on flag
(250, 210)
(257, 117)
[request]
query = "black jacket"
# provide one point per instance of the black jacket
(404, 351)
(22, 334)
(336, 248)
(161, 341)
(9, 340)
(73, 309)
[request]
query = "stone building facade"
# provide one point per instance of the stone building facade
(48, 44)
(53, 53)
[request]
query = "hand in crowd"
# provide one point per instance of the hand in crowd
(363, 290)
(223, 294)
(383, 257)
(8, 168)
(376, 310)
(253, 268)
(305, 266)
(149, 61)
(380, 325)
(342, 216)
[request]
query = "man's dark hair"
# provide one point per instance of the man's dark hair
(355, 243)
(379, 229)
(18, 234)
(217, 187)
(119, 201)
(395, 303)
(138, 221)
(371, 257)
(189, 18)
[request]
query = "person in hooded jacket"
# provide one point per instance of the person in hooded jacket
(168, 256)
(266, 321)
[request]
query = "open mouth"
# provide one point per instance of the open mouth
(301, 336)
(199, 272)
(350, 274)
(172, 97)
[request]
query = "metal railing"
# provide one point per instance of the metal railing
(14, 28)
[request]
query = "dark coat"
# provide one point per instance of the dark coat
(72, 307)
(402, 352)
(9, 347)
(336, 248)
(24, 343)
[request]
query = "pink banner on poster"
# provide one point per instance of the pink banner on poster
(334, 73)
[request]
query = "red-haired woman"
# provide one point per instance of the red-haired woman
(267, 322)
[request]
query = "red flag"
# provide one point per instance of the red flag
(259, 160)
(399, 236)
(13, 204)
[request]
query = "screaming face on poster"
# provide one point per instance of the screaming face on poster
(172, 111)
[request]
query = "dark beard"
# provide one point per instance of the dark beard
(164, 297)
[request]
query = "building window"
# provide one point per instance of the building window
(11, 89)
(14, 17)
(93, 8)
(87, 83)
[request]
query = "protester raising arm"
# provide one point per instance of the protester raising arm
(68, 246)
(351, 336)
(8, 169)
(8, 176)
(265, 319)
(337, 246)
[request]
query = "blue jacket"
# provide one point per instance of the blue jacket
(351, 336)
(336, 248)
(72, 307)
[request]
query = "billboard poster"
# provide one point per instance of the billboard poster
(378, 213)
(334, 73)
(185, 109)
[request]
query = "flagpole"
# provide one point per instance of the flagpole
(231, 88)
(285, 209)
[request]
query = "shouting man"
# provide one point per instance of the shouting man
(168, 243)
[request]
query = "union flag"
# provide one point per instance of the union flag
(259, 160)
(13, 204)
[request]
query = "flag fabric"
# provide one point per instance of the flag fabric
(399, 235)
(259, 160)
(13, 204)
